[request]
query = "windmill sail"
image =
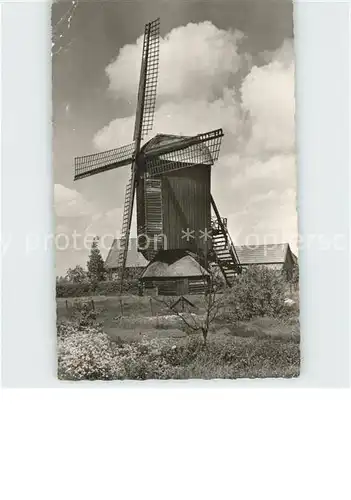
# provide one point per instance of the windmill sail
(143, 124)
(148, 81)
(87, 165)
(126, 223)
(162, 154)
(202, 149)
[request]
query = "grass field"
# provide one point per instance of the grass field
(128, 305)
(149, 342)
(144, 316)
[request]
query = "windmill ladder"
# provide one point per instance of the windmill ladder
(223, 247)
(127, 218)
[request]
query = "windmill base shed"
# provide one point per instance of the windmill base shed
(174, 272)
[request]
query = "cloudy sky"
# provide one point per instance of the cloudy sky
(223, 63)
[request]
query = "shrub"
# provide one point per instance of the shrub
(88, 354)
(259, 291)
(113, 288)
(84, 316)
(65, 289)
(107, 288)
(77, 275)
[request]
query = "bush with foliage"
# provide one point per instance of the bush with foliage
(89, 354)
(130, 285)
(106, 288)
(258, 291)
(65, 289)
(84, 316)
(85, 354)
(295, 278)
(77, 275)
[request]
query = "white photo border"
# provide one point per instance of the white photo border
(322, 45)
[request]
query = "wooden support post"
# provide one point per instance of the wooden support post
(152, 312)
(92, 305)
(121, 304)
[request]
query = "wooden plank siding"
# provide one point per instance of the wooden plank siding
(169, 204)
(175, 287)
(186, 204)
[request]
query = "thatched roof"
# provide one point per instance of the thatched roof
(174, 264)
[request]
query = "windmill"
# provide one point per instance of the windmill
(170, 176)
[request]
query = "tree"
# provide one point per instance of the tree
(295, 279)
(95, 264)
(77, 275)
(259, 291)
(61, 279)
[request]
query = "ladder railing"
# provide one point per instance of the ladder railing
(222, 232)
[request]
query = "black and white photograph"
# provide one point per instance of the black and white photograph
(175, 188)
(175, 240)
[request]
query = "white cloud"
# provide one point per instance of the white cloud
(267, 218)
(196, 62)
(104, 223)
(70, 203)
(205, 84)
(195, 93)
(258, 197)
(189, 117)
(268, 98)
(278, 171)
(117, 133)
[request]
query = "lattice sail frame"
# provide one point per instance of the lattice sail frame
(85, 166)
(143, 124)
(144, 119)
(202, 149)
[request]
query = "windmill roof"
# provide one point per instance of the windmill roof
(134, 258)
(200, 151)
(162, 140)
(175, 264)
(262, 254)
